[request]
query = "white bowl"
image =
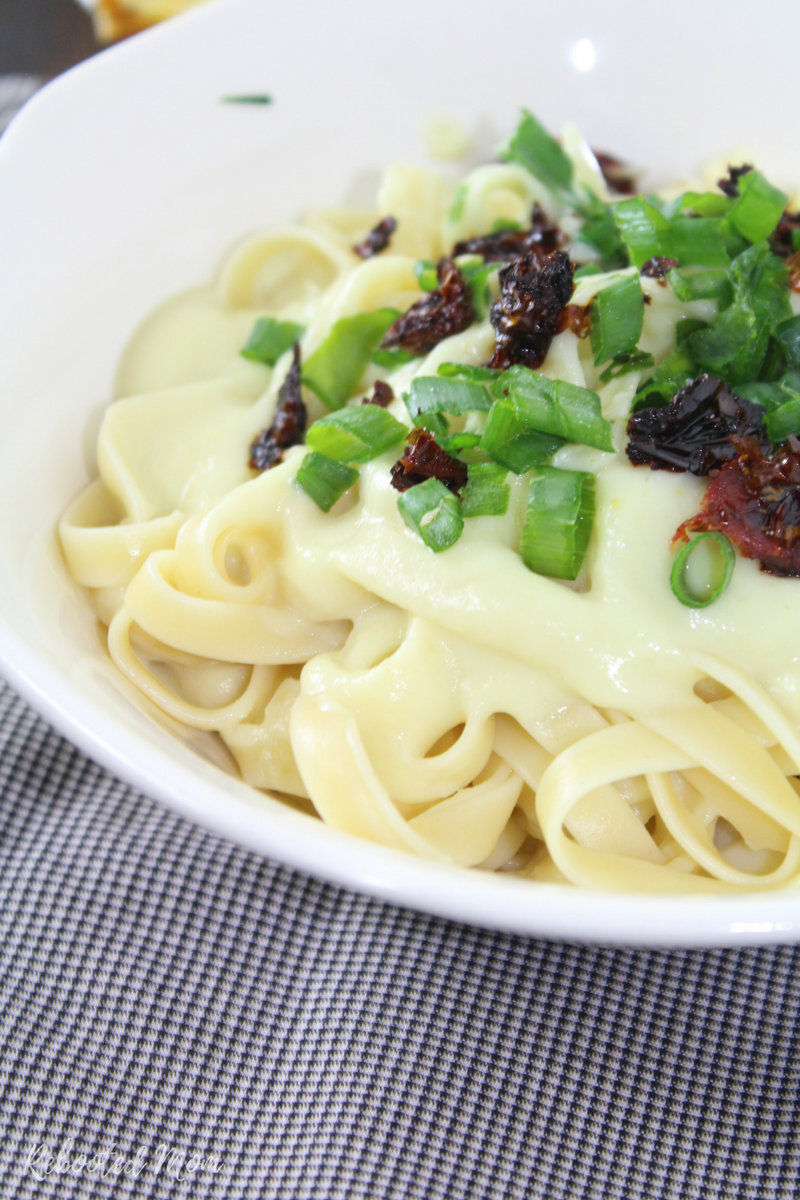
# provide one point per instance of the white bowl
(126, 179)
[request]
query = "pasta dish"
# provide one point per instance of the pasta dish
(472, 523)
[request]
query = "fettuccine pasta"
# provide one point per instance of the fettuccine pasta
(457, 705)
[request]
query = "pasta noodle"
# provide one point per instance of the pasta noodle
(454, 705)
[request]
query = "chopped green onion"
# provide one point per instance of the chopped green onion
(687, 325)
(617, 316)
(710, 283)
(254, 99)
(788, 334)
(769, 395)
(558, 522)
(758, 208)
(392, 359)
(462, 371)
(643, 229)
(455, 442)
(599, 229)
(485, 287)
(783, 421)
(625, 364)
(698, 240)
(774, 363)
(427, 275)
(586, 270)
(555, 407)
(735, 347)
(269, 339)
(503, 225)
(535, 150)
(334, 370)
(512, 443)
(735, 244)
(356, 434)
(486, 493)
(666, 380)
(459, 200)
(700, 593)
(324, 479)
(468, 264)
(435, 394)
(433, 512)
(705, 204)
(482, 279)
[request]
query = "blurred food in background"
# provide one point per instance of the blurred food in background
(116, 19)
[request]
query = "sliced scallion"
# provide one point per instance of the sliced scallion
(433, 512)
(735, 346)
(269, 339)
(626, 364)
(788, 334)
(705, 204)
(459, 200)
(438, 394)
(617, 316)
(533, 148)
(758, 207)
(555, 407)
(255, 98)
(715, 571)
(709, 283)
(587, 269)
(462, 371)
(698, 240)
(686, 326)
(486, 493)
(468, 264)
(783, 421)
(392, 359)
(356, 434)
(668, 378)
(453, 443)
(335, 368)
(324, 479)
(644, 230)
(484, 285)
(558, 522)
(427, 275)
(770, 396)
(509, 441)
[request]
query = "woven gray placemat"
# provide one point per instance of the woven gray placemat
(163, 993)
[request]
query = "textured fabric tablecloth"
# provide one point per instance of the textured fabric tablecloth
(164, 994)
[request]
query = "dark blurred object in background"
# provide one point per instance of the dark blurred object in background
(44, 37)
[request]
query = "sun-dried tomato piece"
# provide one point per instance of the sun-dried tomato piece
(781, 241)
(425, 459)
(619, 176)
(438, 315)
(533, 294)
(288, 426)
(696, 431)
(382, 395)
(542, 238)
(755, 501)
(793, 271)
(577, 319)
(658, 267)
(730, 184)
(377, 239)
